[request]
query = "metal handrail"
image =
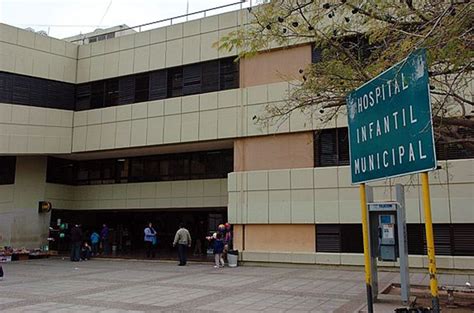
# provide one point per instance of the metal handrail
(170, 19)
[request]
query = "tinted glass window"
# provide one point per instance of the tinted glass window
(7, 170)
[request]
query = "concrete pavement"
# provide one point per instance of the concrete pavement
(55, 285)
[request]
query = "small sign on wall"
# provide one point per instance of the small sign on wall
(44, 207)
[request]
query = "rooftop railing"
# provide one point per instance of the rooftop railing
(173, 20)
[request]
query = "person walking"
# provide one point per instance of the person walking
(76, 239)
(183, 240)
(150, 240)
(1, 272)
(218, 250)
(95, 238)
(104, 237)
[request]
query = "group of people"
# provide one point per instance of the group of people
(80, 248)
(221, 242)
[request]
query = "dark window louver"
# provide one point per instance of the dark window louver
(83, 97)
(210, 76)
(192, 79)
(328, 238)
(7, 170)
(158, 85)
(6, 86)
(229, 77)
(331, 147)
(126, 90)
(463, 239)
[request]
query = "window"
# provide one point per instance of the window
(166, 167)
(192, 79)
(158, 85)
(111, 92)
(33, 91)
(229, 74)
(97, 95)
(331, 147)
(7, 170)
(141, 87)
(346, 238)
(446, 149)
(175, 82)
(316, 54)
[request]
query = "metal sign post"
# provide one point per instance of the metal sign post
(390, 135)
(402, 244)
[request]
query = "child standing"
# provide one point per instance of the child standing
(218, 249)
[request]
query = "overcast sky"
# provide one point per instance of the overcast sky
(64, 18)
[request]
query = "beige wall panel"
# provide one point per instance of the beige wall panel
(58, 46)
(228, 20)
(326, 206)
(253, 126)
(257, 180)
(125, 61)
(9, 33)
(124, 112)
(79, 139)
(190, 104)
(208, 125)
(228, 98)
(227, 123)
(112, 45)
(84, 51)
(192, 28)
(94, 116)
(302, 206)
(98, 48)
(93, 137)
(70, 67)
(139, 110)
(142, 39)
(80, 118)
(279, 179)
(108, 115)
(111, 65)
(190, 127)
(209, 24)
(155, 130)
(126, 42)
(461, 201)
(302, 178)
(24, 61)
(458, 173)
(274, 152)
(172, 106)
(257, 94)
(326, 177)
(5, 113)
(190, 53)
(20, 114)
(257, 211)
(174, 52)
(279, 207)
(280, 238)
(141, 61)
(157, 56)
(107, 136)
(174, 31)
(122, 137)
(97, 67)
(195, 188)
(157, 35)
(139, 132)
(208, 101)
(41, 62)
(208, 52)
(172, 129)
(57, 68)
(26, 38)
(83, 70)
(42, 43)
(7, 57)
(155, 108)
(349, 205)
(300, 121)
(275, 66)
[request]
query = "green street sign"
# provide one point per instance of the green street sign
(390, 125)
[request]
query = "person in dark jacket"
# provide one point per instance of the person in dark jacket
(218, 250)
(76, 239)
(104, 237)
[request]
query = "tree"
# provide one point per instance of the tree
(356, 40)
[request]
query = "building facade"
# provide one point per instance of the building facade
(160, 125)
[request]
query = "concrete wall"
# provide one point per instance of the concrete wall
(33, 130)
(28, 53)
(153, 195)
(20, 224)
(274, 152)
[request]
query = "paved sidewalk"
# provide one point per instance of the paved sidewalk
(57, 285)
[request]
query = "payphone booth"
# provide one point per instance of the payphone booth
(388, 238)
